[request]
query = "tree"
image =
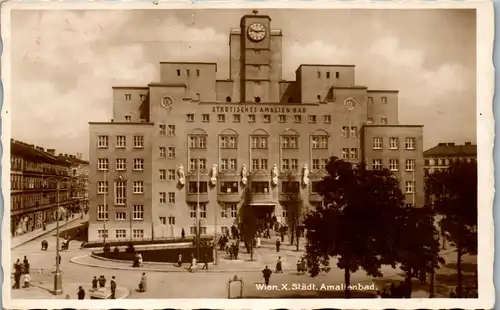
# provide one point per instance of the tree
(359, 212)
(455, 192)
(295, 206)
(248, 219)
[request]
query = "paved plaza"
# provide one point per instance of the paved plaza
(168, 281)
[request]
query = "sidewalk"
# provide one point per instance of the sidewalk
(27, 237)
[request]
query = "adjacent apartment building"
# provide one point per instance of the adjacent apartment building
(191, 138)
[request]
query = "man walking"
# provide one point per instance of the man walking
(81, 293)
(278, 244)
(267, 275)
(113, 287)
(205, 262)
(94, 283)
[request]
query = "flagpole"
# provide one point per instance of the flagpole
(104, 219)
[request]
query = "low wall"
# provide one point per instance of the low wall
(166, 255)
(144, 242)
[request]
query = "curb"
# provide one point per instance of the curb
(42, 234)
(74, 260)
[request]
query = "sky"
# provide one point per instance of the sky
(64, 63)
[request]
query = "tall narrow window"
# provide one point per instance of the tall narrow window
(120, 192)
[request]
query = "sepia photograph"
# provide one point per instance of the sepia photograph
(248, 153)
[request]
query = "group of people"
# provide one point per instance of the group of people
(137, 260)
(100, 283)
(193, 267)
(21, 269)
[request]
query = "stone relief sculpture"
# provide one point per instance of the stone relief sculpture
(274, 174)
(180, 173)
(305, 176)
(244, 174)
(213, 175)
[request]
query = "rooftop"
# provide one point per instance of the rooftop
(451, 149)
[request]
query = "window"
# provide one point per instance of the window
(259, 142)
(121, 164)
(234, 210)
(354, 132)
(171, 174)
(319, 142)
(393, 143)
(163, 152)
(163, 197)
(328, 75)
(163, 174)
(102, 164)
(178, 72)
(138, 142)
(354, 153)
(138, 233)
(285, 164)
(345, 154)
(260, 187)
(163, 220)
(294, 164)
(138, 164)
(315, 164)
(171, 220)
(318, 74)
(259, 164)
(171, 197)
(236, 118)
(318, 97)
(257, 99)
(224, 165)
(221, 118)
(383, 121)
(297, 119)
(410, 143)
(409, 187)
(102, 141)
(312, 119)
(410, 165)
(251, 118)
(197, 72)
(171, 152)
(198, 142)
(102, 187)
(282, 118)
(327, 119)
(120, 192)
(228, 142)
(143, 97)
(288, 142)
(370, 100)
(138, 187)
(187, 72)
(377, 164)
(345, 131)
(223, 212)
(203, 211)
(163, 130)
(190, 117)
(121, 233)
(192, 164)
(128, 96)
(290, 187)
(233, 164)
(128, 118)
(285, 212)
(377, 143)
(171, 130)
(383, 100)
(369, 121)
(102, 233)
(205, 118)
(267, 118)
(121, 142)
(228, 187)
(393, 165)
(314, 186)
(193, 188)
(337, 75)
(102, 213)
(138, 213)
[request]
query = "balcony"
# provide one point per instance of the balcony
(290, 197)
(193, 197)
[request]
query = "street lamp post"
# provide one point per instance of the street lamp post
(198, 211)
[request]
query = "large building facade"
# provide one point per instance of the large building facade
(34, 173)
(145, 164)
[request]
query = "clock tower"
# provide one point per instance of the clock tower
(255, 59)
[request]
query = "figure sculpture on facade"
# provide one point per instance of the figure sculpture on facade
(244, 174)
(213, 175)
(274, 174)
(305, 176)
(180, 172)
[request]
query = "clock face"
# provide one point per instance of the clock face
(257, 31)
(167, 102)
(349, 104)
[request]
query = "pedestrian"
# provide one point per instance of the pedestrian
(179, 260)
(102, 281)
(94, 283)
(26, 265)
(27, 281)
(183, 234)
(236, 250)
(258, 242)
(58, 259)
(113, 287)
(205, 262)
(267, 275)
(143, 283)
(278, 265)
(378, 294)
(278, 244)
(193, 266)
(140, 259)
(81, 293)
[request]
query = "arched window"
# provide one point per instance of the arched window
(198, 139)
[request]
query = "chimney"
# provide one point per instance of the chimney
(468, 143)
(51, 152)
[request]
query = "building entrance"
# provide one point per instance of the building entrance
(264, 214)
